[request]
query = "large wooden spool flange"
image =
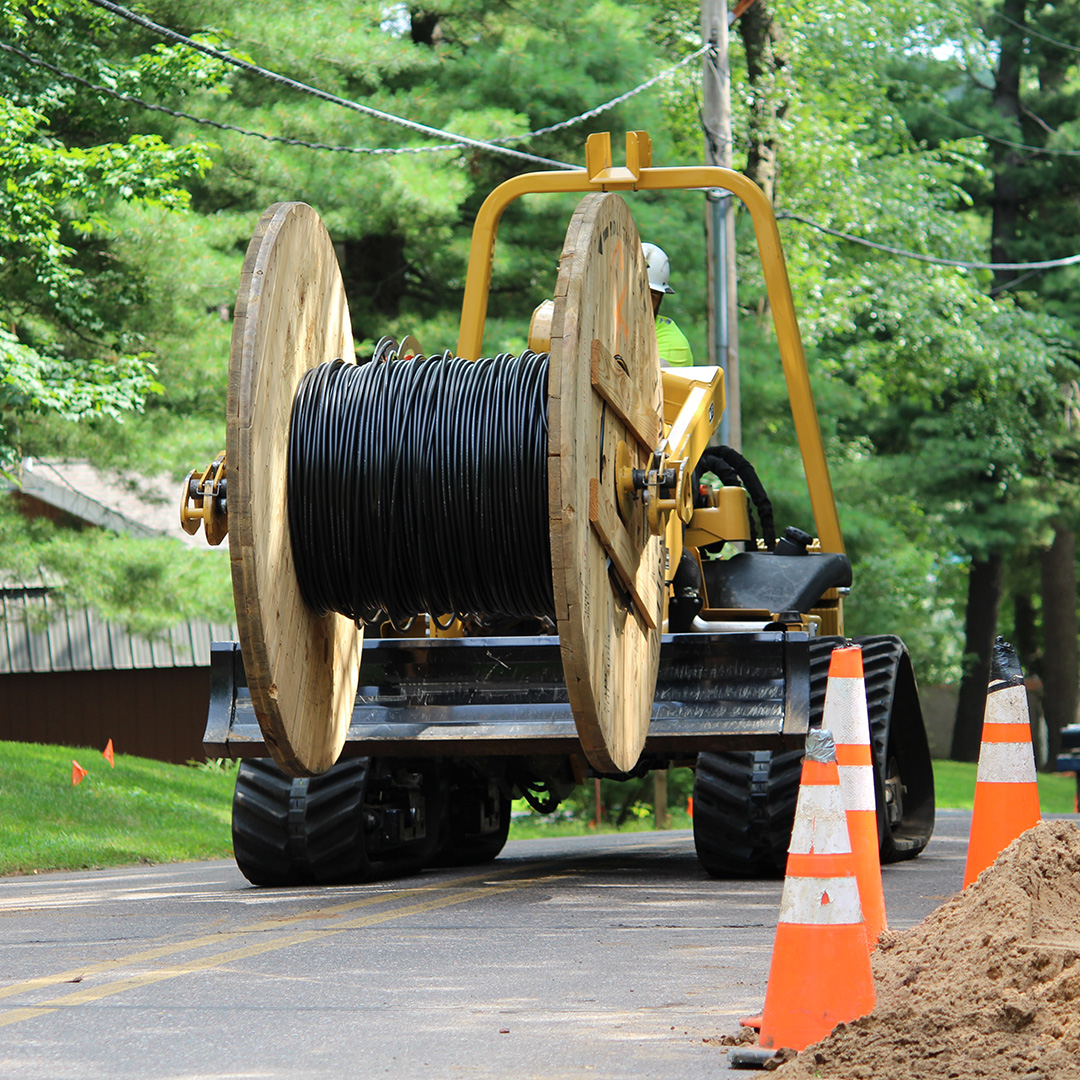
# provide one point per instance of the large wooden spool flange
(291, 314)
(605, 404)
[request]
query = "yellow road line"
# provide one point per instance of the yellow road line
(96, 993)
(331, 911)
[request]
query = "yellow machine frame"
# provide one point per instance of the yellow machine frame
(693, 397)
(685, 390)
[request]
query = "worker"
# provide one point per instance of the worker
(670, 340)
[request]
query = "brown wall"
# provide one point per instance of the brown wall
(155, 712)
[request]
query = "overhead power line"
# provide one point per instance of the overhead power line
(1035, 33)
(666, 73)
(323, 95)
(372, 150)
(1003, 142)
(1047, 264)
(493, 146)
(218, 124)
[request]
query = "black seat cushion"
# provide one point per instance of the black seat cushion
(774, 583)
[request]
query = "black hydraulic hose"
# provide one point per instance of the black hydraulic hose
(420, 485)
(756, 490)
(725, 462)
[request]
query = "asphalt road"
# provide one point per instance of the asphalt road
(601, 957)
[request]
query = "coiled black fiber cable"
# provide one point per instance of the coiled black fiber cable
(420, 485)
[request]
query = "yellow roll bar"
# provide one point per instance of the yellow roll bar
(639, 175)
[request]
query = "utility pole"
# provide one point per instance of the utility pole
(720, 218)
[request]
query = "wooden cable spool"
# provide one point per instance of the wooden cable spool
(291, 314)
(604, 409)
(604, 406)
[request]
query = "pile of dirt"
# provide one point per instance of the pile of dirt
(987, 986)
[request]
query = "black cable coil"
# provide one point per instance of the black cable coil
(420, 485)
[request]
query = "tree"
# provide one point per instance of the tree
(1019, 102)
(767, 104)
(68, 341)
(913, 364)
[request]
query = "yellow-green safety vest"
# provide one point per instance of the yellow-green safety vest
(672, 344)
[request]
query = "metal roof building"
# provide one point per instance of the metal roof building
(37, 634)
(69, 676)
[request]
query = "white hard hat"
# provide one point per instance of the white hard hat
(659, 267)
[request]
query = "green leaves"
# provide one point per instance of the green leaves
(67, 302)
(72, 389)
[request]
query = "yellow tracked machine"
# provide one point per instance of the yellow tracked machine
(463, 580)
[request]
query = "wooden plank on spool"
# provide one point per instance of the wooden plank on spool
(612, 382)
(291, 314)
(632, 571)
(610, 655)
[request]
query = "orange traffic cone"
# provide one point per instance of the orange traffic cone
(107, 754)
(77, 773)
(1006, 790)
(846, 717)
(820, 974)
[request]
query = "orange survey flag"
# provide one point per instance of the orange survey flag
(77, 772)
(107, 754)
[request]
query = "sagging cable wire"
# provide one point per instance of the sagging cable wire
(599, 109)
(1046, 264)
(323, 95)
(373, 150)
(420, 485)
(217, 124)
(1032, 32)
(1003, 142)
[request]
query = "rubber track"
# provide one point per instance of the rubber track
(333, 830)
(290, 831)
(744, 803)
(265, 851)
(462, 847)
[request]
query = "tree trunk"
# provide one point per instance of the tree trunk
(985, 576)
(765, 63)
(1026, 632)
(980, 629)
(1060, 675)
(1007, 161)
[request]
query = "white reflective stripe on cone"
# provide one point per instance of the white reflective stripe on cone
(820, 901)
(845, 711)
(1006, 763)
(1008, 706)
(820, 822)
(857, 786)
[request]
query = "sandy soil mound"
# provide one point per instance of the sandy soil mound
(988, 985)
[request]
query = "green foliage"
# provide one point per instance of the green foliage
(146, 584)
(942, 408)
(624, 804)
(71, 342)
(139, 811)
(33, 383)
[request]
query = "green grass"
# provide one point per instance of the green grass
(954, 788)
(146, 811)
(536, 826)
(141, 811)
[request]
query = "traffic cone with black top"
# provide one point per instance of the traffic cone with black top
(1006, 787)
